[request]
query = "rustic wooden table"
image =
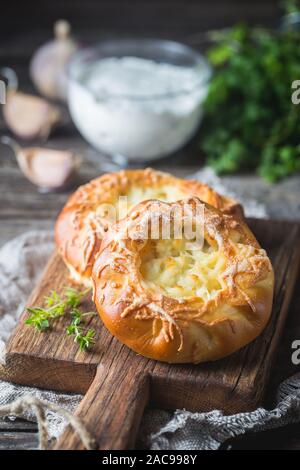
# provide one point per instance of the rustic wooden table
(22, 208)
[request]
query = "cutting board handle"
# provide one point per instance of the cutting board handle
(111, 410)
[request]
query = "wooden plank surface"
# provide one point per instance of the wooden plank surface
(52, 360)
(22, 208)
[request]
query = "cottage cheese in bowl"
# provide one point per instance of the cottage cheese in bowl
(136, 107)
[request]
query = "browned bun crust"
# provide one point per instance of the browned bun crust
(207, 325)
(80, 226)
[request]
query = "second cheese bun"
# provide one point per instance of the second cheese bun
(94, 207)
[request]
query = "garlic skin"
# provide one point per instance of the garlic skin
(49, 63)
(29, 117)
(49, 169)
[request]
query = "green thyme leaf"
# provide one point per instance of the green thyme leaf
(57, 305)
(38, 318)
(85, 340)
(52, 299)
(74, 297)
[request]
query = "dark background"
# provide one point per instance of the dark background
(26, 24)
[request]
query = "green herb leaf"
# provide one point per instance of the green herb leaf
(38, 318)
(52, 299)
(84, 340)
(74, 297)
(250, 121)
(56, 306)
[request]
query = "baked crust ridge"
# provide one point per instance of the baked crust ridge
(173, 304)
(83, 222)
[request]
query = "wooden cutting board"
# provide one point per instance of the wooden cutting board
(118, 383)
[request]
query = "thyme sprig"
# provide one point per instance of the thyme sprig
(84, 339)
(55, 306)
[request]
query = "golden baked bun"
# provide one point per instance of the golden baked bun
(177, 300)
(92, 209)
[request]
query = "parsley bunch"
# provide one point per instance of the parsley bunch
(250, 121)
(56, 306)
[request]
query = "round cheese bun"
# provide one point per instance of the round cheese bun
(94, 207)
(182, 282)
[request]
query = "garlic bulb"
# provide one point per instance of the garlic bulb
(50, 170)
(27, 116)
(49, 63)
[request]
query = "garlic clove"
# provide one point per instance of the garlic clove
(46, 168)
(28, 116)
(49, 169)
(48, 67)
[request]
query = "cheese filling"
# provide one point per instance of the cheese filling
(180, 272)
(137, 194)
